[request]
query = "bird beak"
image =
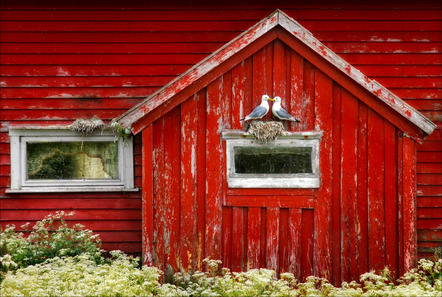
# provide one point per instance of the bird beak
(271, 99)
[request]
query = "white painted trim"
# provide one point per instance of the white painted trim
(291, 139)
(19, 183)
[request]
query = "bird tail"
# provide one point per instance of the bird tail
(242, 119)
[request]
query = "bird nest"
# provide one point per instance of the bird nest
(88, 126)
(265, 131)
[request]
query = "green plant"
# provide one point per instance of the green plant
(121, 133)
(48, 238)
(82, 276)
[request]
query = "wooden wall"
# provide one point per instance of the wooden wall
(361, 218)
(60, 61)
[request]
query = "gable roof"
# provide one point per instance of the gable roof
(258, 36)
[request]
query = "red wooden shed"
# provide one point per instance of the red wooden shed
(361, 215)
(63, 60)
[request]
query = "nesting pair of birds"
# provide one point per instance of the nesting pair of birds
(277, 110)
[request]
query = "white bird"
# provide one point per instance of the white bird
(259, 111)
(280, 112)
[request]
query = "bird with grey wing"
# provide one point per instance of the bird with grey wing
(280, 112)
(259, 111)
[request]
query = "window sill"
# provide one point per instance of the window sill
(70, 189)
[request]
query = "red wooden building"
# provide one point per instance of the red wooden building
(60, 62)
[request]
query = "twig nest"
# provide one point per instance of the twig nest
(88, 126)
(265, 131)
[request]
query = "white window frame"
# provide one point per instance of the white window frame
(235, 138)
(19, 137)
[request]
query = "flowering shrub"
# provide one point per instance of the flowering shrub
(55, 260)
(82, 276)
(50, 237)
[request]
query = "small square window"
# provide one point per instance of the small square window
(291, 161)
(61, 160)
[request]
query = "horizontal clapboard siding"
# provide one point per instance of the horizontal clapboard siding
(61, 61)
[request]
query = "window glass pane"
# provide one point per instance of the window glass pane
(273, 160)
(72, 160)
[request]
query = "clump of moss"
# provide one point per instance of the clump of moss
(265, 131)
(88, 126)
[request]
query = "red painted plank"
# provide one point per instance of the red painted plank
(262, 76)
(299, 13)
(376, 193)
(201, 178)
(226, 254)
(263, 239)
(238, 239)
(87, 201)
(84, 81)
(429, 179)
(362, 198)
(308, 102)
(307, 245)
(323, 208)
(147, 196)
(280, 73)
(336, 186)
(429, 201)
(90, 59)
(272, 240)
(172, 191)
(80, 214)
(214, 168)
(118, 37)
(349, 153)
(253, 238)
(409, 203)
(391, 194)
(429, 213)
(159, 189)
(188, 210)
(296, 87)
(295, 242)
(284, 241)
(429, 167)
(95, 70)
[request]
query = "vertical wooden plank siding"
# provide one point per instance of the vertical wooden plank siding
(272, 242)
(238, 239)
(284, 261)
(214, 168)
(159, 185)
(391, 209)
(349, 210)
(172, 192)
(295, 241)
(336, 186)
(324, 96)
(376, 204)
(189, 203)
(253, 238)
(409, 203)
(362, 197)
(307, 243)
(201, 177)
(296, 87)
(147, 196)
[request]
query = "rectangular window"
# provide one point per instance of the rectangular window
(291, 161)
(60, 160)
